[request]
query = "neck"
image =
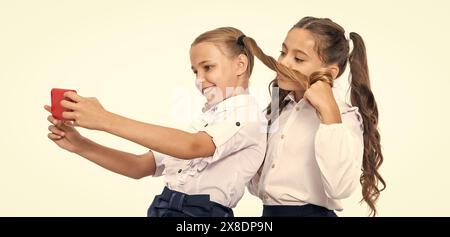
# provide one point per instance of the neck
(238, 90)
(298, 95)
(242, 83)
(241, 87)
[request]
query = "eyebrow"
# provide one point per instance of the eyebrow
(202, 62)
(297, 50)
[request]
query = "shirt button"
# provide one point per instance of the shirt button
(179, 171)
(238, 124)
(297, 108)
(266, 196)
(273, 166)
(282, 136)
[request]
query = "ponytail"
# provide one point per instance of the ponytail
(362, 97)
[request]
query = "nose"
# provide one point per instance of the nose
(198, 84)
(200, 79)
(200, 76)
(284, 61)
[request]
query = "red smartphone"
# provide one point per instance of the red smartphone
(57, 96)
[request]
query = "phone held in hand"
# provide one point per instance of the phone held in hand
(57, 95)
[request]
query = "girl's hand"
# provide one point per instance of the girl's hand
(65, 135)
(320, 96)
(87, 112)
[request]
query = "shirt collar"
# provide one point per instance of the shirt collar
(291, 98)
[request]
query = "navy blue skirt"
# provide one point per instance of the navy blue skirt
(177, 204)
(308, 210)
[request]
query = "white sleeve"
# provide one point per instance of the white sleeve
(222, 132)
(160, 164)
(234, 137)
(339, 151)
(253, 185)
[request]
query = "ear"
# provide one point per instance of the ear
(334, 69)
(241, 63)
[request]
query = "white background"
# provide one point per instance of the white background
(134, 57)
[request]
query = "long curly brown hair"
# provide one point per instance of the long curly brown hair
(333, 48)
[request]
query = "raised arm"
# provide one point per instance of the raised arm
(89, 113)
(124, 163)
(131, 165)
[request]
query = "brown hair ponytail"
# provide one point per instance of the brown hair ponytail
(362, 97)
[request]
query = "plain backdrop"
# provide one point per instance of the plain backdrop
(134, 57)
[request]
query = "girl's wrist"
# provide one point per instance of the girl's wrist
(330, 113)
(108, 121)
(83, 146)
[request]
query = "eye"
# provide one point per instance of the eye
(195, 72)
(298, 60)
(282, 53)
(207, 67)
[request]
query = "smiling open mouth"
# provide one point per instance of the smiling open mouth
(207, 90)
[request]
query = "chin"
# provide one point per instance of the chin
(214, 98)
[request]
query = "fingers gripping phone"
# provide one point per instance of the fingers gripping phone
(57, 95)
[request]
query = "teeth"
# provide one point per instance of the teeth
(208, 90)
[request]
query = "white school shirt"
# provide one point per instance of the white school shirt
(308, 162)
(238, 129)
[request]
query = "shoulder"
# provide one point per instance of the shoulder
(237, 116)
(350, 115)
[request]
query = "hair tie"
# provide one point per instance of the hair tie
(347, 35)
(240, 40)
(350, 44)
